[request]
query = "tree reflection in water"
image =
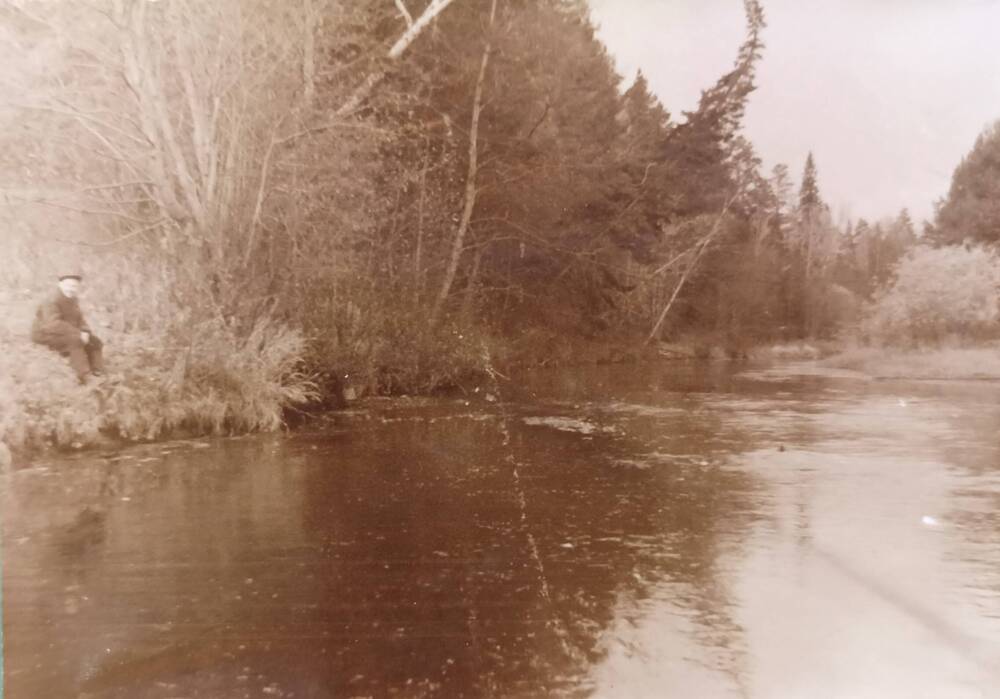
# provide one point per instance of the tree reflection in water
(394, 551)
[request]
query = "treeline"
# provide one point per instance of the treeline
(945, 292)
(404, 183)
(411, 186)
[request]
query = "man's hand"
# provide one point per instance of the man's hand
(85, 336)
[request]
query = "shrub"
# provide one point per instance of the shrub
(41, 400)
(414, 358)
(211, 379)
(387, 345)
(937, 293)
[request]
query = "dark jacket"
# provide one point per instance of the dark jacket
(58, 317)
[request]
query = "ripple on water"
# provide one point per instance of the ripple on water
(567, 424)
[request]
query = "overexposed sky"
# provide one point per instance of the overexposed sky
(888, 94)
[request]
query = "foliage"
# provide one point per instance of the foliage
(381, 343)
(422, 359)
(709, 205)
(938, 294)
(249, 183)
(41, 400)
(809, 191)
(971, 211)
(215, 380)
(210, 380)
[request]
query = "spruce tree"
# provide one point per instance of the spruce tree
(904, 229)
(809, 191)
(699, 150)
(972, 208)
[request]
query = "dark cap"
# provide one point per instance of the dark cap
(71, 275)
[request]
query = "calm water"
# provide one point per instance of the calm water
(643, 531)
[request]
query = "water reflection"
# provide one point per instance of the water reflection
(628, 532)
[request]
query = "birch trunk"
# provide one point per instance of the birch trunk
(470, 178)
(361, 92)
(701, 247)
(418, 275)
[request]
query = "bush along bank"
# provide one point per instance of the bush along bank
(213, 381)
(937, 319)
(202, 375)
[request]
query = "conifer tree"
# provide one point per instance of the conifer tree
(972, 208)
(809, 191)
(699, 149)
(862, 246)
(904, 226)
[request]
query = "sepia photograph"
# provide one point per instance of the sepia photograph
(499, 349)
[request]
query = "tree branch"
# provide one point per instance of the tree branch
(80, 210)
(76, 114)
(199, 127)
(362, 91)
(426, 17)
(108, 243)
(261, 193)
(117, 185)
(406, 13)
(700, 248)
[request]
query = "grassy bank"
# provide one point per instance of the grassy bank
(196, 379)
(184, 370)
(177, 369)
(958, 363)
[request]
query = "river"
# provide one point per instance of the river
(668, 530)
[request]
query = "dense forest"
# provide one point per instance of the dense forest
(405, 191)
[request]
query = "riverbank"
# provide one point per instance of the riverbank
(213, 380)
(221, 385)
(947, 364)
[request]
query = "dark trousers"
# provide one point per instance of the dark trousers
(83, 358)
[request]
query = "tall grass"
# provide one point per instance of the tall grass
(211, 379)
(41, 401)
(216, 381)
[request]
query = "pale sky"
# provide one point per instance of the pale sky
(888, 94)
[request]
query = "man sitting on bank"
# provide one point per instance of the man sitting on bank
(59, 325)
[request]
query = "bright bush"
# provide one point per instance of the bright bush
(937, 294)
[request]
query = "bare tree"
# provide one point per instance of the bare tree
(190, 123)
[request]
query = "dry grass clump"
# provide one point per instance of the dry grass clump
(214, 380)
(41, 400)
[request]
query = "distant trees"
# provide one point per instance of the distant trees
(971, 210)
(389, 176)
(924, 295)
(810, 245)
(890, 240)
(809, 198)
